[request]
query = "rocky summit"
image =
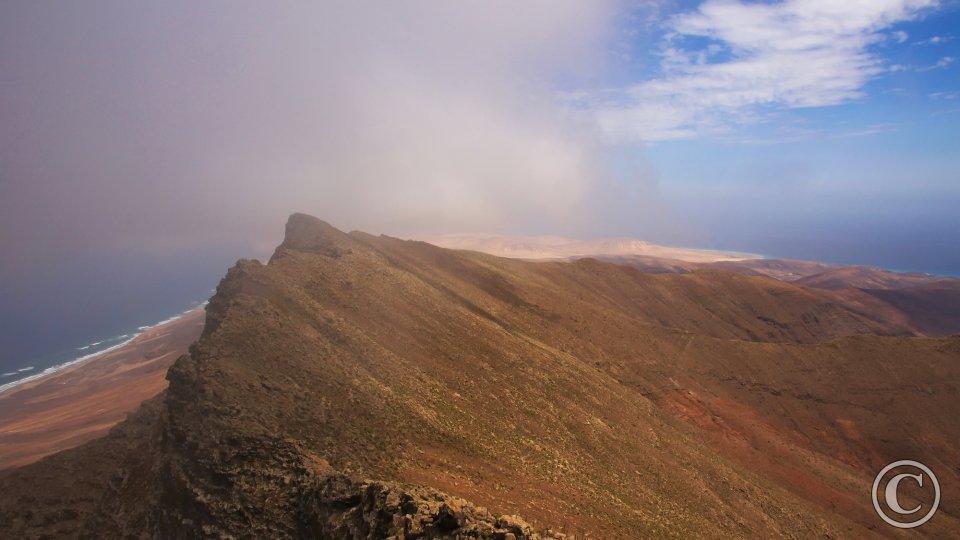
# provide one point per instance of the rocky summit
(368, 387)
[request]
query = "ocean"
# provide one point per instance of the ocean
(50, 320)
(65, 359)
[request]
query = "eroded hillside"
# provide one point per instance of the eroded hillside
(586, 397)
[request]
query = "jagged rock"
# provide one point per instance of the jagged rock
(338, 507)
(587, 397)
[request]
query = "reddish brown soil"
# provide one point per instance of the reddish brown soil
(587, 397)
(85, 400)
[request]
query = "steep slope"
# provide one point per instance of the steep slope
(586, 397)
(886, 303)
(934, 308)
(112, 478)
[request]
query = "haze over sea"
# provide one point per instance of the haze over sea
(95, 304)
(143, 149)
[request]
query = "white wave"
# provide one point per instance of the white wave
(85, 347)
(61, 367)
(165, 321)
(28, 368)
(9, 374)
(65, 365)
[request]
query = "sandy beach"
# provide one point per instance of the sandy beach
(555, 248)
(83, 401)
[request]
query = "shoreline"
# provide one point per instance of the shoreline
(58, 368)
(74, 402)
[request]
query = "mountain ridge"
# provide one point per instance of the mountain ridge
(584, 397)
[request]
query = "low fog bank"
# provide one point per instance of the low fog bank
(157, 129)
(145, 147)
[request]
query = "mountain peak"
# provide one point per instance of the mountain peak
(307, 233)
(401, 388)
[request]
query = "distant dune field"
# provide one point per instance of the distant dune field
(558, 247)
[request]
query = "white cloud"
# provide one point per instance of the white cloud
(900, 36)
(945, 95)
(868, 131)
(208, 124)
(935, 40)
(728, 61)
(941, 63)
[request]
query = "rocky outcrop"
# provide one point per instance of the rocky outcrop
(307, 233)
(338, 507)
(365, 387)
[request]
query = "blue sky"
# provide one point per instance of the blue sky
(797, 128)
(765, 71)
(814, 129)
(145, 147)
